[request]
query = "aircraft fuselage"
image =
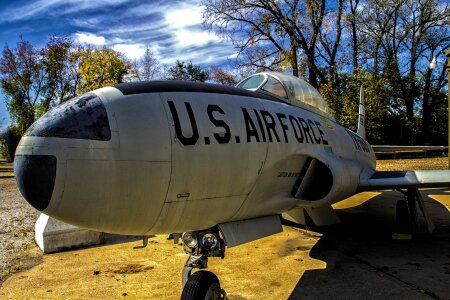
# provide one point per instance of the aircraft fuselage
(174, 159)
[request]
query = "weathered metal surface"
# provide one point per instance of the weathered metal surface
(406, 179)
(241, 232)
(83, 117)
(185, 156)
(234, 157)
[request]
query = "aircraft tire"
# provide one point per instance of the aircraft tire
(202, 285)
(402, 217)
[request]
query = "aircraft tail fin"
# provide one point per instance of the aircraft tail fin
(362, 114)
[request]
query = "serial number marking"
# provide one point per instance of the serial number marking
(288, 174)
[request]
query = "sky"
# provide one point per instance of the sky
(171, 28)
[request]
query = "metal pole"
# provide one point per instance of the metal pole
(448, 111)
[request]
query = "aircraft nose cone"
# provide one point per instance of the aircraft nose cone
(84, 117)
(35, 177)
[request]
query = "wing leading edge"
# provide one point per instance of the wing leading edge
(406, 180)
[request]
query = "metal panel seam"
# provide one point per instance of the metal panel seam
(171, 162)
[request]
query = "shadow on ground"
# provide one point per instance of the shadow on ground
(114, 239)
(364, 262)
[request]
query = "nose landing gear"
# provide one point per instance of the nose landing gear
(200, 245)
(203, 285)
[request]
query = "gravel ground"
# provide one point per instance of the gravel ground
(18, 250)
(17, 219)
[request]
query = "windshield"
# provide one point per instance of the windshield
(300, 92)
(251, 83)
(275, 87)
(294, 90)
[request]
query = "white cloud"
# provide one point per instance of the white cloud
(146, 9)
(186, 37)
(15, 13)
(75, 6)
(184, 22)
(177, 25)
(117, 40)
(184, 17)
(86, 22)
(172, 29)
(125, 29)
(89, 38)
(132, 51)
(233, 56)
(55, 7)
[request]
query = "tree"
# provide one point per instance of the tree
(9, 139)
(35, 80)
(23, 80)
(99, 68)
(352, 22)
(328, 50)
(148, 67)
(187, 71)
(220, 76)
(62, 71)
(377, 98)
(280, 34)
(393, 40)
(405, 35)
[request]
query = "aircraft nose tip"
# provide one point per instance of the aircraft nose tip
(35, 177)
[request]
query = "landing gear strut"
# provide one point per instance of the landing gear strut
(200, 245)
(406, 212)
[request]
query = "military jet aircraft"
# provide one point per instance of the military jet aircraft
(221, 166)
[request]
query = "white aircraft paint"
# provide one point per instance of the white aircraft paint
(188, 156)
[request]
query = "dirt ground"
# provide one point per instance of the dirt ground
(17, 217)
(353, 261)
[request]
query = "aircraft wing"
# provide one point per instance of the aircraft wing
(406, 180)
(391, 148)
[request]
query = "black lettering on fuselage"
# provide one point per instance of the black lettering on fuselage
(261, 127)
(312, 125)
(178, 132)
(360, 143)
(306, 130)
(219, 123)
(270, 126)
(294, 126)
(325, 142)
(283, 126)
(358, 146)
(250, 126)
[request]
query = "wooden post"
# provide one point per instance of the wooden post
(448, 107)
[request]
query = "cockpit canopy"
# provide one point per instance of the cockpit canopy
(290, 89)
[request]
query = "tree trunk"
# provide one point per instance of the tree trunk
(294, 62)
(426, 112)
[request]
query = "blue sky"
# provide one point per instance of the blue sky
(172, 29)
